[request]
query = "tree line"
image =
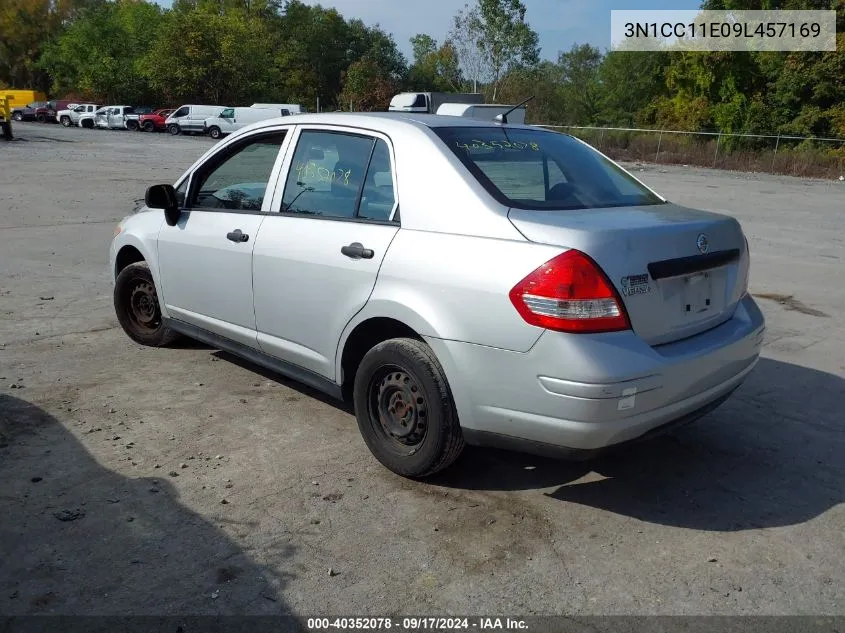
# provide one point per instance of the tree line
(235, 52)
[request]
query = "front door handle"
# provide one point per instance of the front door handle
(237, 236)
(356, 250)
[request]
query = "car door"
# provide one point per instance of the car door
(205, 260)
(318, 252)
(116, 120)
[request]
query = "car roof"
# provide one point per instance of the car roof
(386, 121)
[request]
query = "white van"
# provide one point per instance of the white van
(483, 111)
(233, 119)
(291, 108)
(190, 118)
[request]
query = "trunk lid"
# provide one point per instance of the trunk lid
(679, 271)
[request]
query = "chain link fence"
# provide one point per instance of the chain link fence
(777, 154)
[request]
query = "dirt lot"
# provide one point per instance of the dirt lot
(166, 481)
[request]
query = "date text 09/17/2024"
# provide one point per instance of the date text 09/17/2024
(417, 623)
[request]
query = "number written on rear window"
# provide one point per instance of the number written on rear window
(327, 174)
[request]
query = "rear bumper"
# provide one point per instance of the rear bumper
(588, 392)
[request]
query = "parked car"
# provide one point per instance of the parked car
(533, 294)
(71, 116)
(27, 112)
(48, 112)
(233, 119)
(131, 121)
(189, 119)
(154, 121)
(429, 102)
(109, 117)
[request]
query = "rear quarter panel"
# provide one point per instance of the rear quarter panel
(456, 287)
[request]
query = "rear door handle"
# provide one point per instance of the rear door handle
(356, 250)
(237, 236)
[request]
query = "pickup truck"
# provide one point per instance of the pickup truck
(71, 116)
(48, 113)
(132, 121)
(155, 121)
(108, 117)
(27, 112)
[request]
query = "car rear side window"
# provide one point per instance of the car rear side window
(327, 174)
(238, 181)
(540, 169)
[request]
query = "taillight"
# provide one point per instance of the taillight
(745, 270)
(570, 293)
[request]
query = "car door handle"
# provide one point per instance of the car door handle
(237, 236)
(356, 250)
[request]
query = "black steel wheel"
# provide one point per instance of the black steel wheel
(149, 126)
(137, 308)
(405, 410)
(398, 403)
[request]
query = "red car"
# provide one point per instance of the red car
(154, 121)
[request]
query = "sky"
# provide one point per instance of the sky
(559, 23)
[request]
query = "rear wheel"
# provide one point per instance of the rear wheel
(66, 121)
(173, 128)
(149, 126)
(405, 409)
(41, 118)
(17, 116)
(137, 308)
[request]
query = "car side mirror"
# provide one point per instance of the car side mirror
(164, 197)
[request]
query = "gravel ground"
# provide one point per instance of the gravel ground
(175, 481)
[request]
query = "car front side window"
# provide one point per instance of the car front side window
(237, 181)
(327, 174)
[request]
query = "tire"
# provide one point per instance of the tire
(403, 373)
(174, 130)
(137, 308)
(87, 124)
(214, 132)
(17, 116)
(149, 126)
(41, 118)
(132, 126)
(66, 122)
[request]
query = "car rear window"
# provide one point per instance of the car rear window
(540, 169)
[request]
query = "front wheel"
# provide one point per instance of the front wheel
(137, 308)
(17, 116)
(132, 126)
(214, 132)
(173, 128)
(405, 410)
(41, 118)
(149, 126)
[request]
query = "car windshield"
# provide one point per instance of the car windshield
(540, 169)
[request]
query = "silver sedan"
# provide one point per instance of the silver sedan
(460, 281)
